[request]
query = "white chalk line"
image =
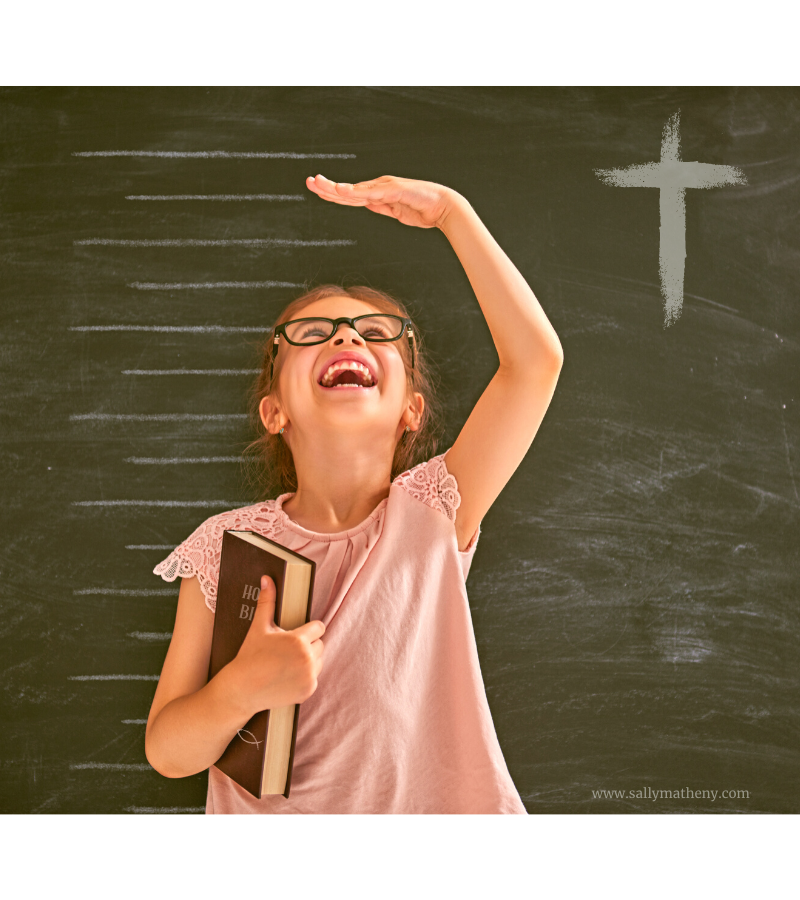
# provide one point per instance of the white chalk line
(155, 417)
(151, 635)
(115, 767)
(114, 677)
(155, 810)
(134, 721)
(215, 154)
(126, 592)
(150, 546)
(230, 504)
(191, 371)
(209, 285)
(178, 460)
(222, 198)
(201, 242)
(174, 329)
(202, 504)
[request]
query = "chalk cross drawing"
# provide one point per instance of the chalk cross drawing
(672, 176)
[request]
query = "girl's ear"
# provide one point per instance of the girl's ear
(269, 412)
(416, 406)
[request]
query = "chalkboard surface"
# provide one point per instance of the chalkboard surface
(635, 591)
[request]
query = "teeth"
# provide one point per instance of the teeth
(351, 364)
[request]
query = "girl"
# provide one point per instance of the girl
(397, 720)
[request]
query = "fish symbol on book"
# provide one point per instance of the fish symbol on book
(242, 731)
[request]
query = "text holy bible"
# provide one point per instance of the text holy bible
(260, 756)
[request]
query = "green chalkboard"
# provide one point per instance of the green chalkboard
(634, 594)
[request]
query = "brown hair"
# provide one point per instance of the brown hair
(270, 463)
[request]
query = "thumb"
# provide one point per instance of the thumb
(264, 615)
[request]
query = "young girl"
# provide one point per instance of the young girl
(396, 721)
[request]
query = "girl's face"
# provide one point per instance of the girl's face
(312, 402)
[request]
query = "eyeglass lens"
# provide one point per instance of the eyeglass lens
(372, 328)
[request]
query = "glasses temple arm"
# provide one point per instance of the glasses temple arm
(272, 357)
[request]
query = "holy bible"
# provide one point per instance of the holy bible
(260, 756)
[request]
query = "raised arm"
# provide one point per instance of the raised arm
(501, 427)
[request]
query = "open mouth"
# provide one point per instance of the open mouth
(347, 374)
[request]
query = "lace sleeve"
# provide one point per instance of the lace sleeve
(199, 554)
(431, 483)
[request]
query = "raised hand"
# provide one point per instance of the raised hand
(275, 667)
(423, 204)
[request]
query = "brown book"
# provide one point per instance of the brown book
(260, 756)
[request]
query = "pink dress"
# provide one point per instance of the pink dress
(399, 722)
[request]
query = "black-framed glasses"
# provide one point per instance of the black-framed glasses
(378, 327)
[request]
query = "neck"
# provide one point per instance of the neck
(340, 480)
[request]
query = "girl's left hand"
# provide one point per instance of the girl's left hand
(420, 203)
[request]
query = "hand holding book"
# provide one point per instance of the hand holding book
(235, 720)
(271, 653)
(275, 667)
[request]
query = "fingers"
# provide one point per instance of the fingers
(327, 190)
(311, 630)
(360, 194)
(264, 615)
(380, 190)
(317, 649)
(383, 208)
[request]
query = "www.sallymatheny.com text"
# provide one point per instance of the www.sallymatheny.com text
(648, 793)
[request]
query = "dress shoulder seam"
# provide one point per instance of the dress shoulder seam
(431, 483)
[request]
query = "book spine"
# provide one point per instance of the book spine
(297, 706)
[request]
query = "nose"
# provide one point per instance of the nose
(347, 331)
